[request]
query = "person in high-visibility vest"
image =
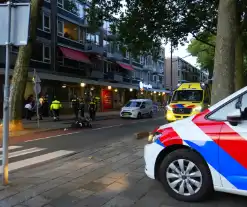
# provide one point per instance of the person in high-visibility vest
(55, 108)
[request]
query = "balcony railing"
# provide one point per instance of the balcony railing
(92, 48)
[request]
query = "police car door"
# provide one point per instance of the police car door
(233, 145)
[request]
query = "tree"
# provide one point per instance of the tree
(20, 74)
(224, 67)
(204, 53)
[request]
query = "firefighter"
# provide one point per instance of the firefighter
(82, 107)
(55, 108)
(92, 109)
(75, 106)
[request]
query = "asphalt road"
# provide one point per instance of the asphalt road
(102, 133)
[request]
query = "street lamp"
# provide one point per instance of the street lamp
(131, 89)
(109, 87)
(83, 84)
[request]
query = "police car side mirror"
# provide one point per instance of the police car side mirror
(234, 118)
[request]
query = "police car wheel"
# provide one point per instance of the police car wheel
(185, 176)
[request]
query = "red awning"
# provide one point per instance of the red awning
(75, 55)
(125, 66)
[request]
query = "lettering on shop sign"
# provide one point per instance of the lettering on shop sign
(143, 85)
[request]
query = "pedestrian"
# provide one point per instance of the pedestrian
(75, 106)
(92, 109)
(46, 106)
(55, 108)
(82, 107)
(28, 111)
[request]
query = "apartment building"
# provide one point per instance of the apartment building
(72, 60)
(182, 71)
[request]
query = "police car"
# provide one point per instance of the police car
(203, 153)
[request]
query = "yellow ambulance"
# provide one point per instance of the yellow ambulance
(187, 100)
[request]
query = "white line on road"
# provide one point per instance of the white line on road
(11, 148)
(37, 160)
(59, 135)
(107, 127)
(23, 152)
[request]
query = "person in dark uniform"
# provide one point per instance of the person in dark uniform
(92, 109)
(45, 106)
(75, 105)
(82, 107)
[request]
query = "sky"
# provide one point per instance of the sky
(181, 52)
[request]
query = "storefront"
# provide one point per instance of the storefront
(157, 95)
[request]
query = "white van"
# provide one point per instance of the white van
(137, 108)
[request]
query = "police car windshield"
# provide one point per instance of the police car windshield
(133, 104)
(188, 95)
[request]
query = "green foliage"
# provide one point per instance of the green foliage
(146, 23)
(203, 52)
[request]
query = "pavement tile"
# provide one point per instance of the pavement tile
(152, 198)
(91, 201)
(7, 192)
(119, 201)
(116, 175)
(105, 180)
(112, 190)
(118, 157)
(81, 193)
(37, 201)
(61, 190)
(64, 201)
(95, 186)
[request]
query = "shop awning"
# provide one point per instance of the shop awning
(75, 55)
(125, 66)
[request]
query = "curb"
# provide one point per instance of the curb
(141, 135)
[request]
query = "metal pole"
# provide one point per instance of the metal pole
(6, 106)
(171, 69)
(36, 93)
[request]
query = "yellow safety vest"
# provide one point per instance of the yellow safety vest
(55, 105)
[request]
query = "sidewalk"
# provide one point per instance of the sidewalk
(101, 176)
(111, 175)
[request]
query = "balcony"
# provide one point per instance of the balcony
(92, 48)
(114, 77)
(116, 56)
(147, 67)
(97, 74)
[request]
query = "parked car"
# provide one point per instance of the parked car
(137, 108)
(203, 153)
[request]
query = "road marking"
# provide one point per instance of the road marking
(107, 127)
(23, 152)
(37, 160)
(11, 148)
(59, 135)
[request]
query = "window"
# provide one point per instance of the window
(178, 72)
(60, 3)
(46, 54)
(41, 52)
(48, 1)
(82, 35)
(37, 52)
(221, 114)
(70, 31)
(190, 95)
(127, 54)
(60, 28)
(46, 22)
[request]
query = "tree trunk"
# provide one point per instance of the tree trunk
(224, 64)
(20, 74)
(239, 57)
